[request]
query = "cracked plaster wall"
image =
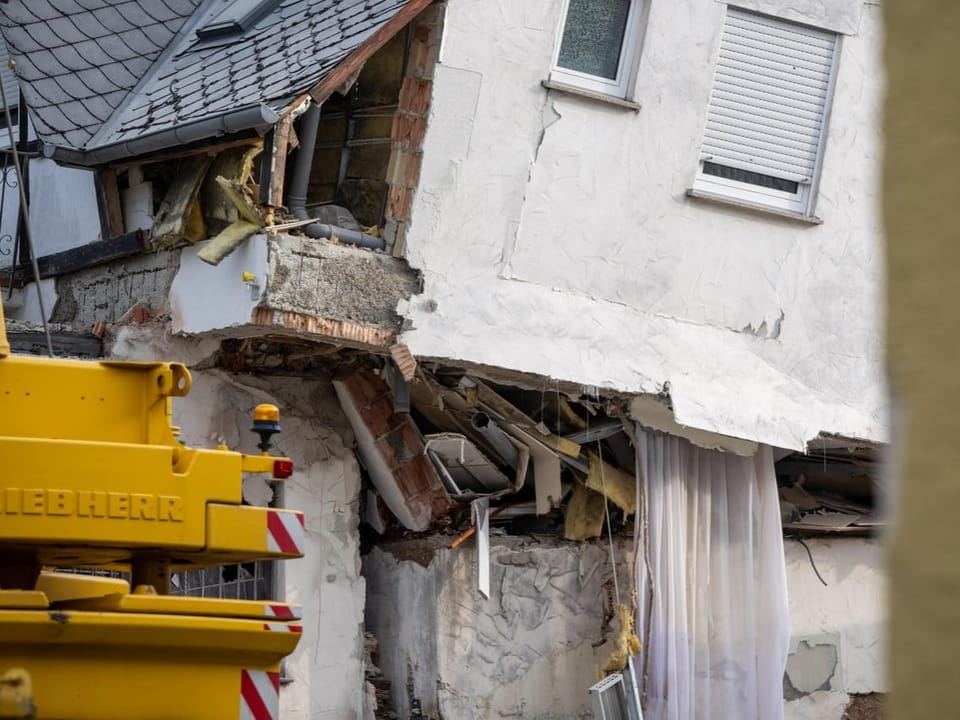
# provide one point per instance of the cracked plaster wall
(837, 630)
(555, 237)
(527, 652)
(326, 668)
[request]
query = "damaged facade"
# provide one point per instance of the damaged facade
(537, 296)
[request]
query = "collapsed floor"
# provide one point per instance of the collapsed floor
(394, 615)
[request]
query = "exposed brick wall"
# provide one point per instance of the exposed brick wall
(410, 123)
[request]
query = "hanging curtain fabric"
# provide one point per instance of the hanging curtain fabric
(711, 584)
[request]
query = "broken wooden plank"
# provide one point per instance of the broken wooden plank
(210, 150)
(113, 206)
(342, 73)
(273, 165)
(80, 257)
(619, 487)
(172, 223)
(506, 410)
(64, 344)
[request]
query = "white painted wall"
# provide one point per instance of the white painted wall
(849, 611)
(555, 236)
(204, 297)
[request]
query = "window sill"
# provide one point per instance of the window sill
(754, 207)
(590, 95)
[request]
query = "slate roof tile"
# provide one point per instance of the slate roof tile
(97, 72)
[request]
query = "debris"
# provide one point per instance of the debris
(506, 410)
(375, 512)
(227, 241)
(618, 486)
(481, 520)
(497, 439)
(627, 644)
(546, 470)
(584, 517)
(393, 451)
(466, 470)
(405, 361)
(176, 220)
(248, 217)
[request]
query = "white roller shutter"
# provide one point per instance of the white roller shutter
(769, 96)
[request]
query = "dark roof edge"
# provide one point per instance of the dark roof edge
(249, 118)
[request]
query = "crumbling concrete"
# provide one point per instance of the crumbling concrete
(108, 293)
(319, 278)
(531, 651)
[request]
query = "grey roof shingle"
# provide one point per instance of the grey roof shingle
(59, 46)
(96, 73)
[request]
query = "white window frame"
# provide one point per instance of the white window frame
(802, 202)
(621, 84)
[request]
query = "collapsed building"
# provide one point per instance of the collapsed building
(512, 411)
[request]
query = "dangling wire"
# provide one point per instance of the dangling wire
(25, 210)
(606, 514)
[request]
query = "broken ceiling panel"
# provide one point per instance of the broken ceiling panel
(468, 471)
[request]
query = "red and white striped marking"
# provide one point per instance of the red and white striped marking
(284, 612)
(282, 627)
(285, 532)
(259, 695)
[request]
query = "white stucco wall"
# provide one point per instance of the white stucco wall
(205, 297)
(846, 618)
(555, 236)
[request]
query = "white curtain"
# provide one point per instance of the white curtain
(715, 596)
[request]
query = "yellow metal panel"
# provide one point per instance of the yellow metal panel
(86, 493)
(178, 605)
(27, 599)
(118, 666)
(59, 587)
(257, 531)
(78, 400)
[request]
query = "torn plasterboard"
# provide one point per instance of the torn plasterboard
(481, 518)
(546, 470)
(652, 413)
(466, 469)
(392, 450)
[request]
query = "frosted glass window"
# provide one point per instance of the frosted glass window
(597, 44)
(593, 37)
